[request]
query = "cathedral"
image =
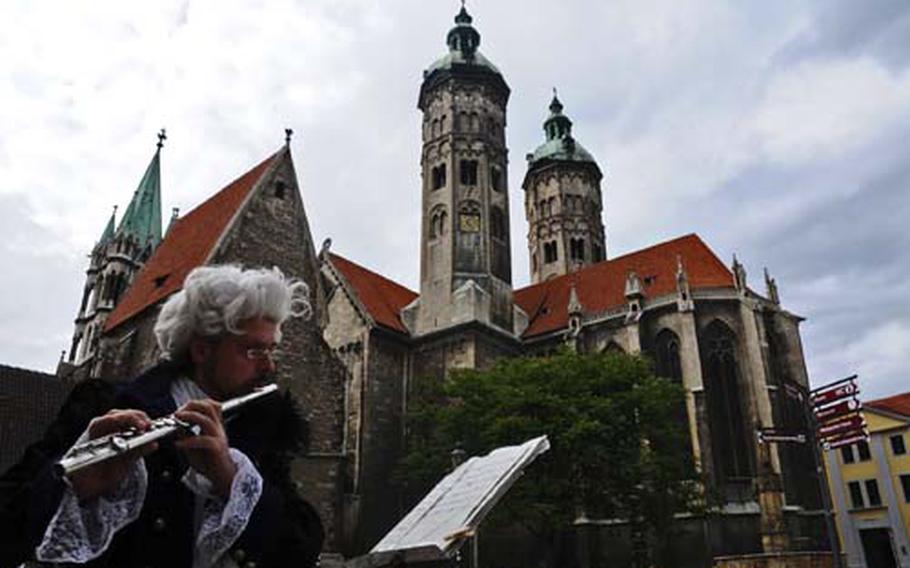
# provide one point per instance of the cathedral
(351, 365)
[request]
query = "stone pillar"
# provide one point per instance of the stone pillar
(770, 485)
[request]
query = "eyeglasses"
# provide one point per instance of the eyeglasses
(263, 353)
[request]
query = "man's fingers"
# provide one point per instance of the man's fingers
(196, 443)
(207, 407)
(117, 421)
(208, 426)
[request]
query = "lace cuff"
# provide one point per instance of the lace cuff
(79, 533)
(223, 521)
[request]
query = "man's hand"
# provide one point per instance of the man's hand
(104, 477)
(208, 453)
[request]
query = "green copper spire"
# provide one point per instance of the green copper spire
(560, 144)
(142, 219)
(109, 229)
(463, 41)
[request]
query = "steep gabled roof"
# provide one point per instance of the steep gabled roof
(601, 286)
(188, 244)
(381, 297)
(897, 404)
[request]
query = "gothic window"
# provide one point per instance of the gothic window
(597, 253)
(549, 252)
(727, 420)
(551, 206)
(577, 249)
(442, 124)
(438, 222)
(438, 173)
(495, 178)
(497, 223)
(468, 172)
(666, 356)
(469, 217)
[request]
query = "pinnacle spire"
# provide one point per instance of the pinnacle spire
(109, 229)
(142, 219)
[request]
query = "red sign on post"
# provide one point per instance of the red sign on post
(841, 427)
(834, 394)
(835, 411)
(846, 440)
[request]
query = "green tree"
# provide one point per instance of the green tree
(618, 447)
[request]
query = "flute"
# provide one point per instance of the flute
(118, 443)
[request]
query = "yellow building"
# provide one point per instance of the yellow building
(870, 488)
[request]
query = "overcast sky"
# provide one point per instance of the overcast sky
(776, 130)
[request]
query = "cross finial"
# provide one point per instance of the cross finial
(162, 136)
(287, 135)
(554, 92)
(462, 4)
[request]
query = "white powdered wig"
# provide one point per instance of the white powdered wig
(217, 299)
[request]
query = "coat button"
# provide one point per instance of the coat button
(159, 524)
(238, 555)
(166, 475)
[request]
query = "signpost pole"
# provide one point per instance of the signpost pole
(833, 536)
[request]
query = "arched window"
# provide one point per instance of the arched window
(666, 356)
(726, 417)
(438, 222)
(549, 252)
(497, 223)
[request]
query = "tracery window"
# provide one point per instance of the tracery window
(727, 420)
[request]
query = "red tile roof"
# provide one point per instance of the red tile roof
(381, 297)
(187, 245)
(601, 286)
(898, 404)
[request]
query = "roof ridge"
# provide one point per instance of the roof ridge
(601, 263)
(372, 272)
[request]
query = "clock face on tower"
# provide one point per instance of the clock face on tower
(469, 222)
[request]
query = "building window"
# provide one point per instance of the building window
(905, 485)
(846, 453)
(577, 249)
(549, 252)
(468, 172)
(438, 222)
(725, 406)
(897, 445)
(495, 178)
(856, 495)
(439, 176)
(497, 223)
(598, 253)
(863, 449)
(666, 356)
(875, 499)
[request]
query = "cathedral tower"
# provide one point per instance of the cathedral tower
(563, 202)
(465, 267)
(116, 259)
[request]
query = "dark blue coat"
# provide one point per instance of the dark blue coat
(282, 527)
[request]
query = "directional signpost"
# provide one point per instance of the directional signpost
(835, 418)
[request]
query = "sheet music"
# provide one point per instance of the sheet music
(462, 499)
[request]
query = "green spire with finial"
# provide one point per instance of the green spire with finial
(557, 125)
(560, 145)
(109, 229)
(463, 37)
(142, 219)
